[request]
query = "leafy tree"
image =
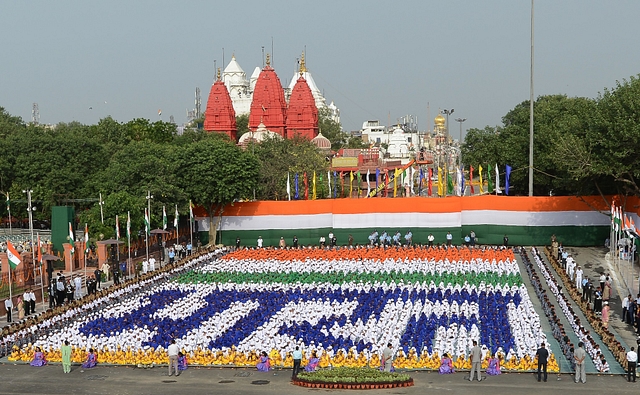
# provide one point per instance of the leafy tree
(242, 123)
(331, 129)
(215, 172)
(297, 155)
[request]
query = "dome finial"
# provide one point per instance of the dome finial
(218, 74)
(268, 60)
(303, 66)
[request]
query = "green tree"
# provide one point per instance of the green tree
(242, 123)
(331, 129)
(297, 155)
(215, 172)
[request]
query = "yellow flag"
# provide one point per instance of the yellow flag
(314, 186)
(480, 173)
(350, 183)
(440, 184)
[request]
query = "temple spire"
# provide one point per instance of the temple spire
(303, 66)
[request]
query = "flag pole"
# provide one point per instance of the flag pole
(42, 271)
(9, 211)
(146, 236)
(129, 242)
(177, 223)
(86, 257)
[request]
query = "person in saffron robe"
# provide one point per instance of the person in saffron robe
(605, 315)
(264, 365)
(494, 366)
(182, 361)
(91, 361)
(38, 358)
(446, 365)
(313, 363)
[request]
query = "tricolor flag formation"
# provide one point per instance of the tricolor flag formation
(344, 304)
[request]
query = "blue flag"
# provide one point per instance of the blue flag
(297, 195)
(462, 180)
(506, 180)
(420, 178)
(335, 180)
(377, 177)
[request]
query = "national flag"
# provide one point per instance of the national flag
(506, 180)
(117, 228)
(13, 255)
(165, 221)
(129, 222)
(481, 182)
(191, 217)
(498, 190)
(314, 186)
(489, 182)
(296, 196)
(86, 238)
(368, 182)
(176, 218)
(147, 224)
(471, 179)
(288, 186)
(71, 239)
(359, 181)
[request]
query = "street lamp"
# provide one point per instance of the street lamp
(447, 113)
(101, 203)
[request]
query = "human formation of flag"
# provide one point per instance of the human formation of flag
(457, 182)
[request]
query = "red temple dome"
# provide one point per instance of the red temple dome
(268, 105)
(220, 115)
(302, 114)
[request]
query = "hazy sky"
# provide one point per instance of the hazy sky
(374, 59)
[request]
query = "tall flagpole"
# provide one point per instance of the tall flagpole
(86, 255)
(9, 211)
(191, 219)
(41, 271)
(129, 241)
(148, 224)
(176, 223)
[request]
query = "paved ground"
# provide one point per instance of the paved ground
(24, 379)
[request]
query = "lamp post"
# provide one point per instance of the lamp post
(460, 120)
(30, 210)
(146, 231)
(447, 113)
(101, 203)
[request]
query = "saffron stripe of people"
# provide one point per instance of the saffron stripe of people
(226, 309)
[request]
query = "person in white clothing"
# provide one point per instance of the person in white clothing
(260, 241)
(172, 352)
(77, 281)
(579, 278)
(8, 306)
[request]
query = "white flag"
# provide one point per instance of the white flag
(71, 239)
(329, 181)
(368, 183)
(288, 186)
(497, 180)
(175, 220)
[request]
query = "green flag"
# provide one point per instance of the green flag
(449, 184)
(489, 182)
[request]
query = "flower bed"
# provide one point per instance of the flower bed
(353, 378)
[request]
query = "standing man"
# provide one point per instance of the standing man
(66, 357)
(98, 274)
(8, 305)
(32, 301)
(505, 242)
(632, 360)
(625, 307)
(449, 239)
(472, 236)
(260, 241)
(237, 243)
(297, 360)
(295, 241)
(350, 240)
(476, 360)
(282, 243)
(77, 281)
(387, 358)
(579, 356)
(542, 355)
(430, 239)
(26, 301)
(189, 248)
(172, 352)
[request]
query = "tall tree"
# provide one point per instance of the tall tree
(214, 172)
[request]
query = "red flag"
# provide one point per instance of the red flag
(471, 178)
(430, 183)
(306, 186)
(386, 179)
(341, 184)
(39, 251)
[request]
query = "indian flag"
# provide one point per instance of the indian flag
(147, 224)
(71, 239)
(86, 239)
(164, 218)
(13, 255)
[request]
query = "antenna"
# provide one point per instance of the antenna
(272, 50)
(263, 56)
(222, 57)
(35, 114)
(198, 101)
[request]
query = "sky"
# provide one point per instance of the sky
(376, 60)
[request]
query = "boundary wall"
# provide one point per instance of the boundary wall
(576, 221)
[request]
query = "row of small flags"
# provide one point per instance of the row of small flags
(445, 182)
(621, 222)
